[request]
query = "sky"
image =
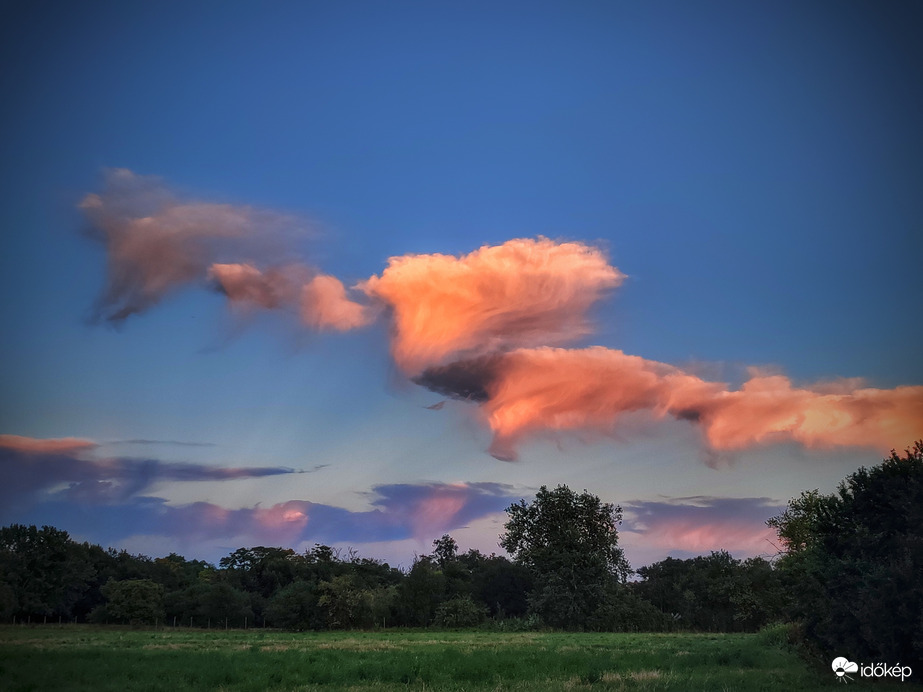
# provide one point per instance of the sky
(362, 273)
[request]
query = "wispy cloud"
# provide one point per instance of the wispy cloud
(32, 445)
(319, 300)
(157, 242)
(699, 524)
(173, 443)
(399, 512)
(34, 469)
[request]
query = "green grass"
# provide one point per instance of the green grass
(75, 657)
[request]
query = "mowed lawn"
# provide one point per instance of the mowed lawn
(75, 657)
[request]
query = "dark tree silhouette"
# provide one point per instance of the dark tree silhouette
(570, 544)
(854, 561)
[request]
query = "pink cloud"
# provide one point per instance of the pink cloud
(32, 445)
(530, 391)
(525, 292)
(325, 305)
(699, 525)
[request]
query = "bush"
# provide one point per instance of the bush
(779, 634)
(624, 611)
(529, 623)
(461, 611)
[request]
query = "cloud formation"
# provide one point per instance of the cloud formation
(320, 300)
(699, 524)
(156, 242)
(529, 391)
(34, 468)
(399, 512)
(32, 445)
(486, 327)
(525, 292)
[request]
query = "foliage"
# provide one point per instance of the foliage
(622, 610)
(570, 544)
(714, 593)
(348, 605)
(854, 561)
(461, 611)
(42, 571)
(296, 607)
(445, 550)
(503, 586)
(420, 592)
(133, 601)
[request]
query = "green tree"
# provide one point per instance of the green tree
(714, 593)
(503, 586)
(347, 604)
(420, 592)
(45, 572)
(261, 570)
(570, 544)
(133, 601)
(296, 607)
(854, 561)
(445, 550)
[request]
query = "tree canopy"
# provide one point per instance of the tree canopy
(854, 561)
(569, 542)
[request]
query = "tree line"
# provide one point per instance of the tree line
(48, 577)
(849, 576)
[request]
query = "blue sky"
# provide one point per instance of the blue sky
(754, 169)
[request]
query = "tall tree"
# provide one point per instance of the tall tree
(569, 542)
(854, 561)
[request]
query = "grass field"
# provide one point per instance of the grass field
(75, 657)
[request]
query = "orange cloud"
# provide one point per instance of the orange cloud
(768, 408)
(525, 292)
(324, 305)
(584, 389)
(321, 300)
(31, 445)
(531, 390)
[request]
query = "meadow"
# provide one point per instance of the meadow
(77, 657)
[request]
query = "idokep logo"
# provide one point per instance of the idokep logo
(842, 667)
